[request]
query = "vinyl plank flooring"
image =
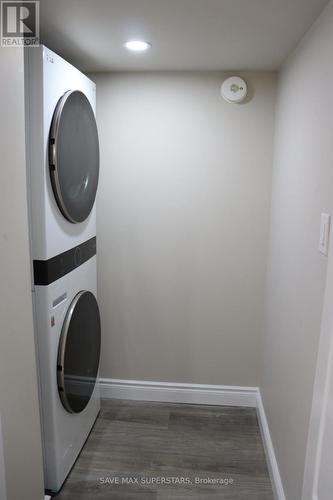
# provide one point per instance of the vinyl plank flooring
(158, 451)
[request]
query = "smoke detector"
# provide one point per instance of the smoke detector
(234, 89)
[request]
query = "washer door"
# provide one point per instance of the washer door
(79, 352)
(74, 156)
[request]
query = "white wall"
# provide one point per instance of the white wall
(302, 189)
(18, 384)
(182, 220)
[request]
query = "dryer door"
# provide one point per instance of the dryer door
(74, 156)
(79, 352)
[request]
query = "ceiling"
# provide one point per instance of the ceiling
(185, 34)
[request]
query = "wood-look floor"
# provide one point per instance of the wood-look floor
(140, 441)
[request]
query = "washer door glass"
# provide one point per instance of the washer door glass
(74, 156)
(79, 352)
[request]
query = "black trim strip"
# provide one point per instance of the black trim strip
(48, 271)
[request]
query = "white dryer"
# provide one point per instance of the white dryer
(63, 153)
(62, 172)
(68, 326)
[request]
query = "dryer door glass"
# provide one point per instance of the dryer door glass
(78, 353)
(74, 156)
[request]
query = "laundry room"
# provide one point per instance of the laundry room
(167, 258)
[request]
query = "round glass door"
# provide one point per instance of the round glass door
(74, 156)
(79, 352)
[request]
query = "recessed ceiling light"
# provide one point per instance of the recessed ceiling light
(137, 45)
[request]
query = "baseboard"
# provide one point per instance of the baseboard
(272, 464)
(170, 392)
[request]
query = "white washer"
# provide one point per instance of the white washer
(63, 154)
(68, 340)
(62, 173)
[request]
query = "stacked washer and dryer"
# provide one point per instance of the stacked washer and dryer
(63, 168)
